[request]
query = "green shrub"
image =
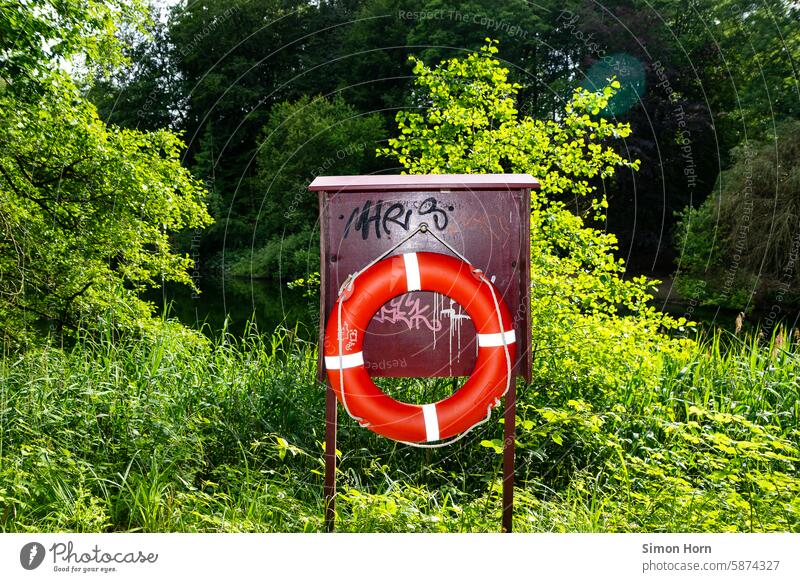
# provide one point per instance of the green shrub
(742, 243)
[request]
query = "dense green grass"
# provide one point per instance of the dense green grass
(171, 435)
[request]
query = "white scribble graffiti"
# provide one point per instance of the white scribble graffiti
(456, 319)
(409, 311)
(348, 335)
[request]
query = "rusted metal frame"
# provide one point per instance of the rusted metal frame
(510, 403)
(329, 488)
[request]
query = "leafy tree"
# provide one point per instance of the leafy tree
(85, 209)
(467, 122)
(302, 140)
(542, 54)
(746, 56)
(370, 59)
(743, 242)
(236, 61)
(672, 129)
(144, 91)
(470, 124)
(43, 33)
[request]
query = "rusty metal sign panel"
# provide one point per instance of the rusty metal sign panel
(485, 217)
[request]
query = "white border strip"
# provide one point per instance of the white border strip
(348, 361)
(412, 272)
(230, 558)
(431, 422)
(492, 340)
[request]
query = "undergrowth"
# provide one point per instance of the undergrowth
(167, 435)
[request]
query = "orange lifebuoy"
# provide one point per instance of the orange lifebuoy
(358, 303)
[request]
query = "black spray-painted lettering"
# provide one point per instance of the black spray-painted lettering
(362, 218)
(393, 214)
(429, 206)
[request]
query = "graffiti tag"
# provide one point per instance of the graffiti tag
(408, 310)
(382, 218)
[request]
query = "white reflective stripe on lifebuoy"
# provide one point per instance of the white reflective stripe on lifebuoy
(346, 361)
(492, 340)
(431, 422)
(412, 272)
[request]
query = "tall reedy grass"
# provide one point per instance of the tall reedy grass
(116, 434)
